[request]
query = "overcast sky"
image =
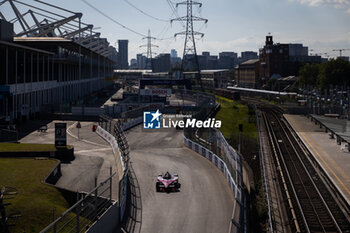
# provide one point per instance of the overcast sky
(322, 25)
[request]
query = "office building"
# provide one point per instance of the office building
(227, 60)
(133, 64)
(161, 63)
(141, 61)
(123, 54)
(173, 53)
(248, 55)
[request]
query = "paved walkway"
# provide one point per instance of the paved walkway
(339, 126)
(335, 162)
(93, 157)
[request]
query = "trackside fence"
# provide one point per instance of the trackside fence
(232, 170)
(112, 131)
(211, 144)
(89, 208)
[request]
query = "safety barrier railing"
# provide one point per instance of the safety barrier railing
(211, 144)
(114, 133)
(86, 210)
(230, 165)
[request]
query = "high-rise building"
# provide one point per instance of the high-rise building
(123, 54)
(141, 61)
(173, 53)
(206, 54)
(298, 50)
(207, 62)
(161, 63)
(175, 62)
(248, 55)
(227, 60)
(212, 63)
(133, 64)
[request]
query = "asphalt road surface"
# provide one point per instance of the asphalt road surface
(204, 203)
(93, 157)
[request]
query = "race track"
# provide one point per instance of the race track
(204, 203)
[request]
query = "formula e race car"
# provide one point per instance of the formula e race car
(168, 183)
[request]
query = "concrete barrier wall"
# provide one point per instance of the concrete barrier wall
(117, 154)
(61, 154)
(55, 174)
(108, 222)
(131, 123)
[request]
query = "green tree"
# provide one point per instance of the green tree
(308, 74)
(336, 72)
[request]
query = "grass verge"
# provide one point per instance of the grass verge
(35, 200)
(233, 113)
(25, 147)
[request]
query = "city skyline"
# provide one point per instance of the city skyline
(174, 142)
(320, 25)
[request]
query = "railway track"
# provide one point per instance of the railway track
(312, 206)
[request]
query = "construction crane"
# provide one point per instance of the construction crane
(340, 51)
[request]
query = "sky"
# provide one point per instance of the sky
(233, 25)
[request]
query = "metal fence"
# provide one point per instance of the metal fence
(214, 141)
(335, 100)
(114, 127)
(266, 185)
(88, 208)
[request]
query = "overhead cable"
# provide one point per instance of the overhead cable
(113, 20)
(149, 15)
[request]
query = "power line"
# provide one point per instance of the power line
(161, 35)
(113, 20)
(170, 3)
(167, 26)
(151, 16)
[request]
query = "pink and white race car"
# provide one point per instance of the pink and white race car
(167, 183)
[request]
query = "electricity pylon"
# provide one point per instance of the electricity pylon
(190, 43)
(149, 45)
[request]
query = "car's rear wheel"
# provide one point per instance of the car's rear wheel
(157, 188)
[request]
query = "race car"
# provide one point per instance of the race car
(168, 183)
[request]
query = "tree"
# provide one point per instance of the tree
(335, 72)
(332, 72)
(308, 74)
